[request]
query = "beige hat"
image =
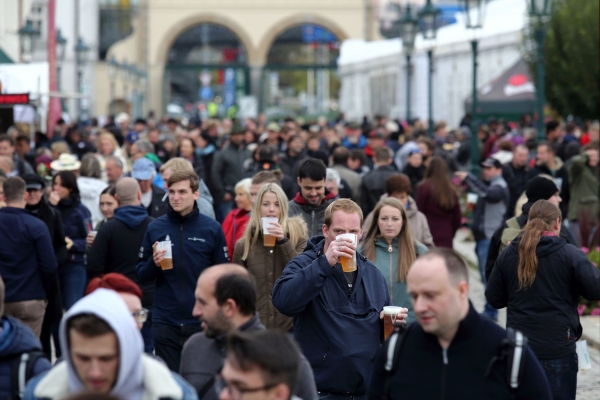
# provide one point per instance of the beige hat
(66, 162)
(122, 117)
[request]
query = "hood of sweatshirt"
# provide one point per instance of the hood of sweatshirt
(300, 200)
(546, 246)
(16, 338)
(110, 307)
(132, 216)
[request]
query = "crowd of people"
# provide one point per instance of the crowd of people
(245, 259)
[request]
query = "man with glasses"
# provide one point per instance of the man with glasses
(117, 243)
(259, 365)
(226, 303)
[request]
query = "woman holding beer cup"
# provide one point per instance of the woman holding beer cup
(271, 240)
(391, 247)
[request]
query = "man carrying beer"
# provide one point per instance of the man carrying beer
(336, 310)
(197, 242)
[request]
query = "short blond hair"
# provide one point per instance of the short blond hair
(177, 164)
(345, 205)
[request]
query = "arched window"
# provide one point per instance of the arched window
(300, 75)
(206, 71)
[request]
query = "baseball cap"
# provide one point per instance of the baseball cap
(353, 125)
(143, 169)
(33, 181)
(491, 163)
(273, 126)
(132, 137)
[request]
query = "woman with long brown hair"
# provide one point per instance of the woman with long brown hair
(539, 278)
(437, 199)
(389, 244)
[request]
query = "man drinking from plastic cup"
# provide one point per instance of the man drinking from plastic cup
(333, 307)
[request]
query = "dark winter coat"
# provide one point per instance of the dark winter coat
(427, 371)
(27, 263)
(313, 216)
(197, 243)
(443, 223)
(339, 331)
(289, 164)
(76, 220)
(157, 207)
(51, 218)
(373, 187)
(516, 178)
(117, 244)
(415, 175)
(583, 183)
(546, 312)
(561, 178)
(15, 339)
(492, 203)
(228, 170)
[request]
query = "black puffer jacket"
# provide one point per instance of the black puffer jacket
(546, 312)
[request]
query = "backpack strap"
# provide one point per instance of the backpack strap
(391, 362)
(511, 350)
(22, 371)
(512, 223)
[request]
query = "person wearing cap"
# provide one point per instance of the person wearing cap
(27, 262)
(273, 139)
(376, 141)
(228, 170)
(492, 203)
(144, 171)
(37, 204)
(354, 138)
(539, 188)
(373, 183)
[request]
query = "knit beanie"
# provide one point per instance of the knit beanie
(540, 188)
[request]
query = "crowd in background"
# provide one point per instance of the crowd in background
(109, 194)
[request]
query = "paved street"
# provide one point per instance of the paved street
(588, 382)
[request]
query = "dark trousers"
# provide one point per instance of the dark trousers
(147, 333)
(341, 396)
(169, 341)
(562, 376)
(51, 320)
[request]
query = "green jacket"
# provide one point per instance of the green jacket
(583, 180)
(382, 261)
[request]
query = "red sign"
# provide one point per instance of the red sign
(17, 98)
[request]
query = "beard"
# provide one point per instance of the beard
(216, 327)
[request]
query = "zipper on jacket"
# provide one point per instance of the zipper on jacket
(390, 249)
(445, 360)
(179, 275)
(569, 334)
(312, 224)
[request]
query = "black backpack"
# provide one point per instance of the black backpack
(511, 349)
(21, 371)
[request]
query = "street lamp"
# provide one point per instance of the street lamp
(539, 11)
(112, 69)
(134, 78)
(81, 52)
(408, 31)
(61, 44)
(428, 17)
(27, 34)
(125, 77)
(474, 10)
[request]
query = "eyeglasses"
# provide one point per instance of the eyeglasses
(237, 392)
(141, 316)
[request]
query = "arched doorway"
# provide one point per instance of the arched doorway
(300, 75)
(206, 72)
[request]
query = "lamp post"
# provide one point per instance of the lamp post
(27, 34)
(474, 10)
(125, 77)
(81, 52)
(112, 69)
(61, 44)
(539, 11)
(428, 17)
(134, 77)
(143, 86)
(408, 31)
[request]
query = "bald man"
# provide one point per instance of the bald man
(117, 245)
(225, 302)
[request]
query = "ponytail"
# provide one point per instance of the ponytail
(541, 218)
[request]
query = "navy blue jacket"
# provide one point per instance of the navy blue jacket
(427, 371)
(27, 261)
(75, 218)
(197, 243)
(15, 339)
(339, 333)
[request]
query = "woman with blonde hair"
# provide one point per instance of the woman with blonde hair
(108, 146)
(390, 245)
(266, 263)
(539, 278)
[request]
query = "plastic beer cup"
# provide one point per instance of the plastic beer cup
(389, 319)
(348, 264)
(268, 239)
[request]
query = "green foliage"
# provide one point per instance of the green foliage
(571, 55)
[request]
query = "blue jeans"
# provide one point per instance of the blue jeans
(147, 334)
(73, 281)
(562, 376)
(226, 207)
(169, 341)
(482, 248)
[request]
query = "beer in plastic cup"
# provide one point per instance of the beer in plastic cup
(389, 319)
(93, 233)
(167, 262)
(348, 264)
(268, 239)
(471, 201)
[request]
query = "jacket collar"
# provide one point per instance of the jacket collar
(181, 219)
(14, 210)
(253, 324)
(300, 200)
(467, 328)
